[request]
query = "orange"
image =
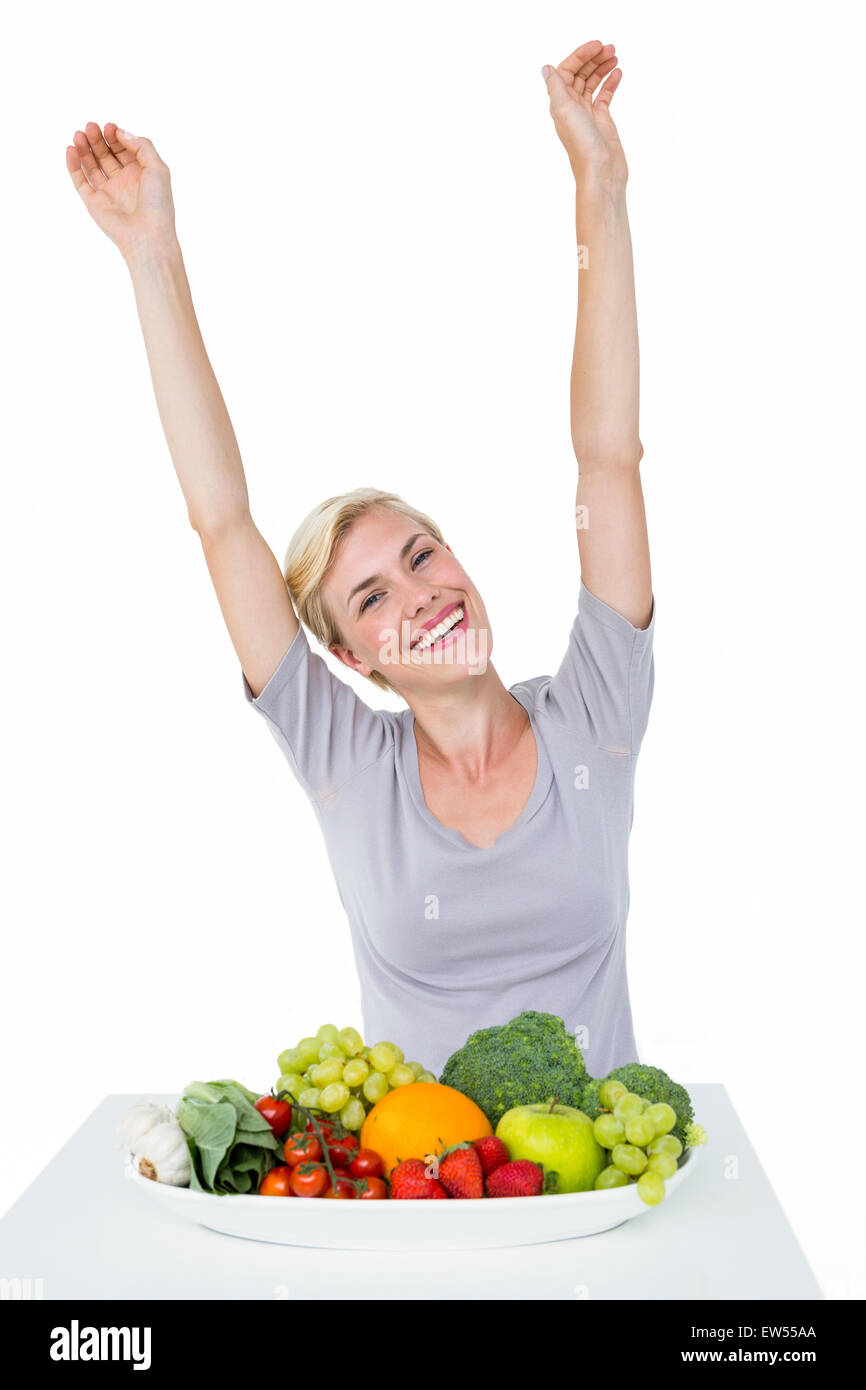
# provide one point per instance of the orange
(419, 1119)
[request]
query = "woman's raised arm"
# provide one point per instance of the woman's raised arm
(126, 188)
(611, 521)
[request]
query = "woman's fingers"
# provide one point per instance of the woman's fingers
(592, 64)
(587, 66)
(103, 155)
(140, 148)
(73, 164)
(577, 78)
(600, 72)
(94, 157)
(586, 53)
(610, 85)
(116, 144)
(92, 172)
(99, 155)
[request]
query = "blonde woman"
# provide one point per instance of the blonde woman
(479, 836)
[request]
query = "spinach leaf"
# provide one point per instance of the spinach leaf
(250, 1095)
(194, 1180)
(243, 1171)
(231, 1144)
(212, 1125)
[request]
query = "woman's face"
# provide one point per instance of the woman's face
(391, 586)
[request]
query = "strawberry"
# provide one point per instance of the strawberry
(409, 1180)
(492, 1153)
(520, 1178)
(460, 1171)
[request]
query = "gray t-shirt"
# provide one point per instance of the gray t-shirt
(449, 937)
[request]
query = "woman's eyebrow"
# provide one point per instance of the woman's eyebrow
(376, 578)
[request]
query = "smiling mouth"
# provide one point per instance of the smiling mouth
(430, 636)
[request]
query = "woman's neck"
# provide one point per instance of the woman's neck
(470, 727)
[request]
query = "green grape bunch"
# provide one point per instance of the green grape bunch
(337, 1072)
(637, 1137)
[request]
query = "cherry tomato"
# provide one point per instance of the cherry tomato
(351, 1142)
(339, 1155)
(345, 1188)
(309, 1179)
(277, 1113)
(371, 1189)
(366, 1164)
(325, 1126)
(302, 1148)
(276, 1183)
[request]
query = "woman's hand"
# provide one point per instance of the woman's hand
(585, 126)
(124, 185)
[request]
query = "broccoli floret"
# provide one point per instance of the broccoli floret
(532, 1058)
(650, 1082)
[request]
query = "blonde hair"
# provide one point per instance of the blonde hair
(313, 547)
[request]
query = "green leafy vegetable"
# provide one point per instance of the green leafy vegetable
(231, 1145)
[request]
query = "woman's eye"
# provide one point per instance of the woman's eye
(372, 597)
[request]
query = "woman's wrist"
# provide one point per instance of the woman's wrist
(152, 253)
(599, 185)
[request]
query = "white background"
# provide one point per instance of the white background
(377, 221)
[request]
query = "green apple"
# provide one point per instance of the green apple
(560, 1138)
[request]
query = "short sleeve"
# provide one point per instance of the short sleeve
(326, 732)
(604, 686)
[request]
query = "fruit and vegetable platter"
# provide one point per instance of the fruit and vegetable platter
(514, 1129)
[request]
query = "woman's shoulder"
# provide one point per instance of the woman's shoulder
(530, 691)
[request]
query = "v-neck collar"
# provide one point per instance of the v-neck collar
(541, 787)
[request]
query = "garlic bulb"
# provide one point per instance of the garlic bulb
(163, 1156)
(137, 1121)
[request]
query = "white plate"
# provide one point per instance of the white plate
(412, 1225)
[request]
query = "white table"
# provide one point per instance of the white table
(86, 1232)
